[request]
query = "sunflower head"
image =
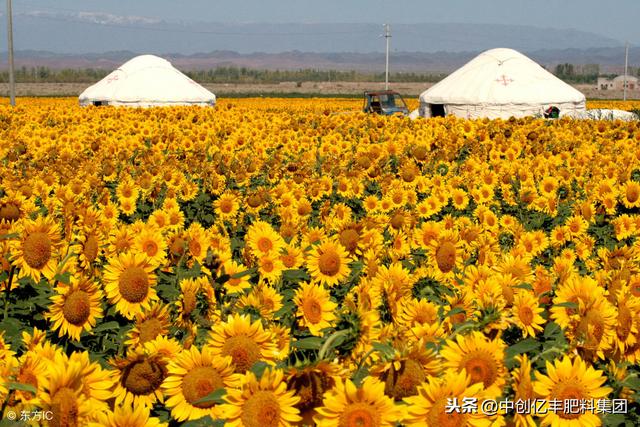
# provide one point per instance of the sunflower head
(310, 383)
(140, 376)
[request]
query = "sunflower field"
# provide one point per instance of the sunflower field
(284, 262)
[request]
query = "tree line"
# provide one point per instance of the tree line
(587, 73)
(42, 74)
(568, 72)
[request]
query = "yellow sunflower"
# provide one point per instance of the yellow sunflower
(348, 405)
(270, 268)
(630, 194)
(417, 312)
(129, 283)
(149, 325)
(411, 365)
(568, 379)
(176, 218)
(592, 319)
(90, 249)
(446, 254)
(310, 383)
(152, 243)
(526, 313)
(227, 206)
(63, 394)
(429, 406)
(35, 252)
(186, 304)
(282, 336)
(97, 382)
(459, 199)
(327, 263)
(197, 242)
(291, 257)
(193, 375)
(127, 206)
(31, 369)
(314, 307)
(14, 206)
(129, 416)
(75, 307)
(246, 342)
(120, 241)
(481, 358)
(139, 377)
(160, 219)
(127, 189)
(523, 390)
(236, 284)
(261, 403)
(596, 330)
(579, 290)
(265, 299)
(263, 240)
(626, 328)
(395, 282)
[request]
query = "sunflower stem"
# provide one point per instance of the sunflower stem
(547, 351)
(327, 344)
(8, 291)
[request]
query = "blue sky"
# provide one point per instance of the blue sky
(617, 19)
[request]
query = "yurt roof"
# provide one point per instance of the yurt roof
(147, 80)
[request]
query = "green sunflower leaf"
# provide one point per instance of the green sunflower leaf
(216, 397)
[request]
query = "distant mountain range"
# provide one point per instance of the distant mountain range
(611, 60)
(61, 40)
(74, 33)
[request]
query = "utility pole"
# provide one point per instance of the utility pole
(12, 82)
(626, 63)
(387, 35)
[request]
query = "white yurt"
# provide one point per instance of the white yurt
(499, 83)
(147, 81)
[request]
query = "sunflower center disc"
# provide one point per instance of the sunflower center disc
(438, 416)
(64, 408)
(28, 377)
(481, 369)
(134, 284)
(624, 323)
(405, 382)
(360, 414)
(37, 250)
(446, 257)
(143, 377)
(313, 311)
(188, 302)
(226, 206)
(288, 260)
(150, 329)
(198, 383)
(329, 263)
(90, 248)
(349, 239)
(244, 352)
(150, 248)
(261, 410)
(526, 315)
(570, 392)
(264, 244)
(77, 308)
(9, 212)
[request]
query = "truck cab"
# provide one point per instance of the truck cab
(385, 102)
